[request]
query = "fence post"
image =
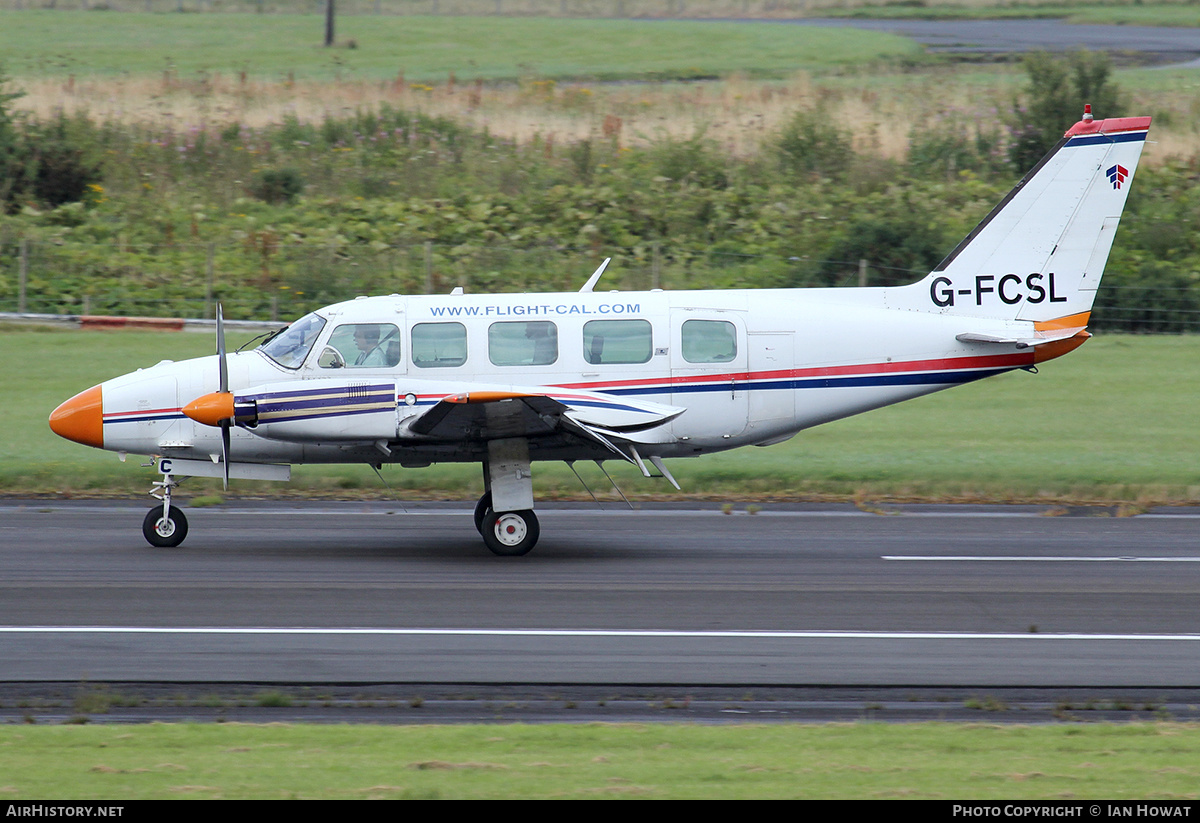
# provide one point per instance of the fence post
(862, 273)
(22, 273)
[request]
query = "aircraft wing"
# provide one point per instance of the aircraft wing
(490, 414)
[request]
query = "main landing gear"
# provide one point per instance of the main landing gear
(164, 526)
(512, 530)
(508, 534)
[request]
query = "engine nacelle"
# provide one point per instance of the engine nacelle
(331, 410)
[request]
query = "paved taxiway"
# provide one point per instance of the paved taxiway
(368, 592)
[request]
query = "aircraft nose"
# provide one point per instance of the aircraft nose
(81, 418)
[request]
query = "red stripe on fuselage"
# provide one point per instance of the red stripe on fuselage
(995, 361)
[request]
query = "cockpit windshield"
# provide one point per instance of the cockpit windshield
(291, 347)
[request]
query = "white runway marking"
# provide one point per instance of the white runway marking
(760, 635)
(1042, 559)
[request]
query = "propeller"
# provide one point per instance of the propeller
(223, 372)
(216, 408)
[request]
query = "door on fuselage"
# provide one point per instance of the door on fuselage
(708, 373)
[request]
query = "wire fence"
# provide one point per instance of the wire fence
(258, 279)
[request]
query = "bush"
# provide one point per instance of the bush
(11, 167)
(278, 185)
(951, 146)
(59, 167)
(809, 144)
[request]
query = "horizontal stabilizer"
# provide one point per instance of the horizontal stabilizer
(1066, 333)
(1020, 342)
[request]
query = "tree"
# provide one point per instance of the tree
(1054, 99)
(12, 171)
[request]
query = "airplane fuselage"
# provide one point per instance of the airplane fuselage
(748, 367)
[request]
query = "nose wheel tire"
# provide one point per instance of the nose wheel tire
(510, 534)
(164, 532)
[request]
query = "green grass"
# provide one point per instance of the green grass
(862, 760)
(40, 43)
(1111, 422)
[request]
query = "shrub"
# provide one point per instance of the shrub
(278, 185)
(809, 144)
(58, 158)
(11, 167)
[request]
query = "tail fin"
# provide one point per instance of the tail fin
(1040, 254)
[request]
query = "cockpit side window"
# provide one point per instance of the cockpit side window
(293, 345)
(362, 346)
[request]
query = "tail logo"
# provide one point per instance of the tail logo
(1117, 175)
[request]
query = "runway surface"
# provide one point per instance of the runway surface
(1155, 44)
(791, 596)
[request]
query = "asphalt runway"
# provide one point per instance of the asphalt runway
(1151, 44)
(824, 596)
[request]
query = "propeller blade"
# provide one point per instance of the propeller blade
(225, 453)
(222, 365)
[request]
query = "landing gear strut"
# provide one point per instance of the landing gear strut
(164, 526)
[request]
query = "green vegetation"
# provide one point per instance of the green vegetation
(277, 219)
(1078, 432)
(863, 760)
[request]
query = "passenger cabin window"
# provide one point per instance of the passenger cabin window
(532, 343)
(362, 346)
(709, 341)
(439, 345)
(292, 345)
(617, 341)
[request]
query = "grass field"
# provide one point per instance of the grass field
(865, 760)
(55, 43)
(1112, 422)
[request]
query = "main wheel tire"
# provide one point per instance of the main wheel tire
(510, 534)
(481, 510)
(164, 532)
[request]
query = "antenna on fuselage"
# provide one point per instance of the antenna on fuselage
(590, 284)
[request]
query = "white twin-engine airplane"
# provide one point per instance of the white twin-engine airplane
(506, 380)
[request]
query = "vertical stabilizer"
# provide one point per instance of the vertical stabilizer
(1040, 254)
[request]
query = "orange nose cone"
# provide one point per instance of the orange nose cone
(211, 409)
(81, 418)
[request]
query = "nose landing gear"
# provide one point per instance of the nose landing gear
(164, 526)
